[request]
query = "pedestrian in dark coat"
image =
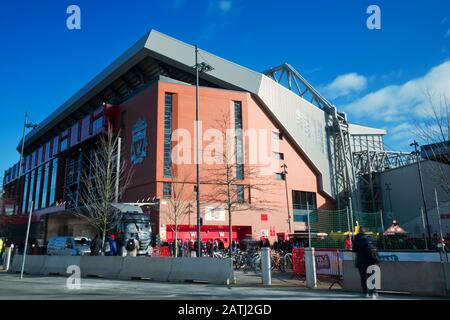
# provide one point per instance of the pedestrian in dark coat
(96, 246)
(364, 258)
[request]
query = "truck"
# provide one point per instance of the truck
(135, 224)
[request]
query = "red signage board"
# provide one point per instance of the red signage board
(272, 231)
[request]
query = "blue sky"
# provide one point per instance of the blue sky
(377, 76)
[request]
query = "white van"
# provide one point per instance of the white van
(69, 246)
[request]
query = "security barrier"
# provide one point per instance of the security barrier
(161, 251)
(298, 262)
(210, 270)
(328, 264)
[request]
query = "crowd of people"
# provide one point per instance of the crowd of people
(189, 248)
(114, 246)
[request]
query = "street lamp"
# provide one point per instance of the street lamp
(415, 144)
(199, 68)
(26, 125)
(284, 172)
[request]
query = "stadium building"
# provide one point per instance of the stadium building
(149, 94)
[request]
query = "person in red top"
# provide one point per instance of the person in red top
(348, 243)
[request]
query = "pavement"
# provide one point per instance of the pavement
(248, 287)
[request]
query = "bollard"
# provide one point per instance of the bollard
(265, 266)
(310, 266)
(7, 261)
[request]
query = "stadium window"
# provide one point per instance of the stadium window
(37, 192)
(167, 189)
(279, 176)
(240, 194)
(277, 135)
(239, 143)
(25, 193)
(64, 141)
(302, 198)
(279, 156)
(54, 168)
(97, 123)
(168, 134)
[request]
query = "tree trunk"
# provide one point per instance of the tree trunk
(230, 236)
(103, 239)
(176, 237)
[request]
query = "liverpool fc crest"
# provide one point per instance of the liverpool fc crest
(139, 142)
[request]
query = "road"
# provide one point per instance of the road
(54, 287)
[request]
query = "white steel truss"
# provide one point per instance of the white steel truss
(343, 173)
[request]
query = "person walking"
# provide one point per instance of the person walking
(132, 247)
(96, 246)
(120, 246)
(364, 258)
(112, 245)
(348, 242)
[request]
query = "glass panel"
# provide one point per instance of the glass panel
(38, 189)
(239, 144)
(167, 189)
(97, 124)
(54, 168)
(25, 193)
(168, 135)
(46, 169)
(64, 144)
(240, 194)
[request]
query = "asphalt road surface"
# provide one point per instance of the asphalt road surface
(54, 287)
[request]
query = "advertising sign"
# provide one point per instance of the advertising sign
(212, 214)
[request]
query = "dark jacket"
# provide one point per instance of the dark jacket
(364, 252)
(96, 247)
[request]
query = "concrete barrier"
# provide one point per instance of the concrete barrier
(447, 277)
(154, 268)
(101, 266)
(208, 270)
(33, 264)
(418, 278)
(58, 264)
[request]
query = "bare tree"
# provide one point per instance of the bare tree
(178, 205)
(231, 178)
(103, 183)
(433, 130)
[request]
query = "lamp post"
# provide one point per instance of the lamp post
(199, 68)
(26, 125)
(284, 167)
(415, 144)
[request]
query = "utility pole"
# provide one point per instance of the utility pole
(26, 125)
(415, 144)
(284, 167)
(119, 151)
(199, 67)
(26, 241)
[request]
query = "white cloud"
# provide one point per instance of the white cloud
(402, 132)
(401, 102)
(344, 85)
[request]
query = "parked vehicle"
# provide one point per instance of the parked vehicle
(69, 246)
(136, 226)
